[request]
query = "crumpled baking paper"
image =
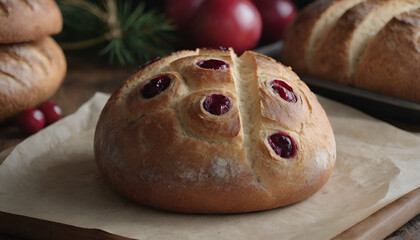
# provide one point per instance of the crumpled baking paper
(52, 175)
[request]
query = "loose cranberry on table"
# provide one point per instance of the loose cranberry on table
(276, 16)
(31, 120)
(233, 23)
(51, 111)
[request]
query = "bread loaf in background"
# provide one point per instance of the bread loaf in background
(30, 73)
(28, 20)
(345, 46)
(168, 151)
(309, 28)
(391, 63)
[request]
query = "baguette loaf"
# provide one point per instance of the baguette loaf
(28, 20)
(29, 74)
(338, 55)
(206, 131)
(391, 64)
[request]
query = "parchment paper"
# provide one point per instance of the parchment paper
(52, 175)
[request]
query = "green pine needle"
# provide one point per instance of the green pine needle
(124, 34)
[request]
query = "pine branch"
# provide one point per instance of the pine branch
(124, 35)
(90, 7)
(85, 43)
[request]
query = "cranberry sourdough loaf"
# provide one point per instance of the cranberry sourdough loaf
(206, 131)
(333, 40)
(30, 73)
(28, 20)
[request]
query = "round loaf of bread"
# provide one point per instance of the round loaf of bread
(28, 20)
(206, 131)
(30, 73)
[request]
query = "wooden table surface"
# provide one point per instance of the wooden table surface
(86, 76)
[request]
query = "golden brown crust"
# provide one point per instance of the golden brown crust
(29, 74)
(348, 53)
(197, 121)
(305, 121)
(297, 35)
(314, 20)
(331, 60)
(28, 20)
(186, 68)
(338, 54)
(391, 63)
(284, 113)
(176, 156)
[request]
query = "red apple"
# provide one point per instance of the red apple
(276, 16)
(233, 23)
(181, 11)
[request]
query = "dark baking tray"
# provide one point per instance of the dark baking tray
(380, 106)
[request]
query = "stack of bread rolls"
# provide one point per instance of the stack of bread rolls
(32, 65)
(368, 44)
